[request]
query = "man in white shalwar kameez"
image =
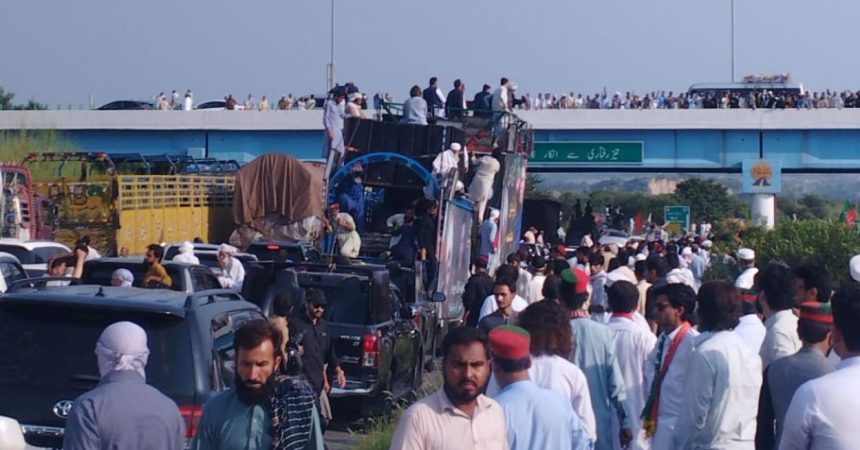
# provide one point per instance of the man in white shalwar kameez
(633, 345)
(232, 272)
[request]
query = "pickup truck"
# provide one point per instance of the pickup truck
(376, 335)
(187, 278)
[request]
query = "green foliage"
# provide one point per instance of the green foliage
(533, 188)
(708, 199)
(6, 103)
(825, 243)
(15, 145)
(810, 206)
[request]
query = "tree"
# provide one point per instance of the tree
(6, 103)
(708, 199)
(533, 188)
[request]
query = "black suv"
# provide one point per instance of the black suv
(48, 337)
(283, 251)
(187, 278)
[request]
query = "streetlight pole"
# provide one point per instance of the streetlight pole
(733, 41)
(330, 78)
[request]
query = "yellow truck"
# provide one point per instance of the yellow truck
(121, 206)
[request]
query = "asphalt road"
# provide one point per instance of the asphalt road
(344, 433)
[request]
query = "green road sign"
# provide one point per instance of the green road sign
(677, 215)
(579, 152)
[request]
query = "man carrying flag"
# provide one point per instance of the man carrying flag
(667, 365)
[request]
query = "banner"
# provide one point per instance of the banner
(761, 176)
(454, 256)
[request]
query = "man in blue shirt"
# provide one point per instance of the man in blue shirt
(534, 417)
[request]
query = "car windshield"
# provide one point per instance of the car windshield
(39, 255)
(349, 303)
(54, 347)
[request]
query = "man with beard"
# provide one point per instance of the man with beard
(311, 332)
(458, 415)
(240, 417)
(156, 275)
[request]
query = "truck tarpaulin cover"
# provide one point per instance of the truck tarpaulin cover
(276, 184)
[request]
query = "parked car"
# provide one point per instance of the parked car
(11, 271)
(187, 278)
(217, 105)
(281, 251)
(119, 105)
(33, 255)
(48, 336)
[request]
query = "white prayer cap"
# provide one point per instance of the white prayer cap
(854, 268)
(228, 249)
(707, 243)
(687, 251)
(586, 241)
(123, 275)
(746, 254)
(186, 247)
(495, 213)
(456, 146)
(641, 257)
(122, 347)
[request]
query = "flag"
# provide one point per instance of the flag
(637, 222)
(849, 214)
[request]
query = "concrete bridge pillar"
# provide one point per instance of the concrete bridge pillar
(764, 210)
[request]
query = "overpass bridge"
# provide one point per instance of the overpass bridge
(803, 141)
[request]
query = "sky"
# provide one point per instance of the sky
(61, 52)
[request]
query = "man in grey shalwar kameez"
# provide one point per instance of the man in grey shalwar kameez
(123, 411)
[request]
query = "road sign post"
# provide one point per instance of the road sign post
(676, 218)
(573, 153)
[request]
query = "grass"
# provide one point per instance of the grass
(15, 145)
(379, 433)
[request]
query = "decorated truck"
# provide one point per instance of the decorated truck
(126, 205)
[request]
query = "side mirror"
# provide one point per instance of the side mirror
(11, 434)
(438, 297)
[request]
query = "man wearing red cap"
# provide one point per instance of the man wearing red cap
(823, 412)
(594, 353)
(457, 416)
(784, 376)
(536, 418)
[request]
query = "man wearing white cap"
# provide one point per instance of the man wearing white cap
(121, 278)
(232, 272)
(186, 254)
(746, 260)
(854, 268)
(447, 162)
(123, 411)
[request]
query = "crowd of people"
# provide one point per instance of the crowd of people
(627, 346)
(175, 102)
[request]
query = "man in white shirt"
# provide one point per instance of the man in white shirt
(446, 163)
(232, 271)
(633, 345)
(823, 412)
(723, 378)
(490, 306)
(535, 287)
(188, 105)
(501, 103)
(551, 344)
(746, 261)
(776, 296)
(750, 329)
(666, 370)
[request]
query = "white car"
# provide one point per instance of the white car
(208, 255)
(218, 105)
(10, 271)
(33, 255)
